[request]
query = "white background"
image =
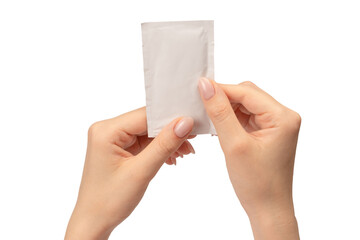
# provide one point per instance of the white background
(67, 64)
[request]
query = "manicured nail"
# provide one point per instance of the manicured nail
(174, 155)
(206, 88)
(184, 127)
(190, 148)
(174, 161)
(169, 161)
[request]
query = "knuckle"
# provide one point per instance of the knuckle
(220, 112)
(94, 129)
(248, 83)
(96, 133)
(297, 119)
(294, 121)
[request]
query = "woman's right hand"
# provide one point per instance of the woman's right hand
(258, 136)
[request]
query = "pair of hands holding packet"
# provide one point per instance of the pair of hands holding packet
(257, 134)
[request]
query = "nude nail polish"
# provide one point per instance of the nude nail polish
(206, 88)
(184, 127)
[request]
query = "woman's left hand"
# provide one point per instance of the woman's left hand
(120, 162)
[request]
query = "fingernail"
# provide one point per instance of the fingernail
(183, 127)
(206, 88)
(191, 149)
(174, 161)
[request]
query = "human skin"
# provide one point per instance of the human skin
(258, 136)
(120, 163)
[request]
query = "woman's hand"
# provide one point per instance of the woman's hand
(120, 162)
(258, 136)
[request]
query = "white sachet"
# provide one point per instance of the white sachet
(176, 55)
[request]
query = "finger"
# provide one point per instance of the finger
(239, 107)
(133, 122)
(167, 142)
(220, 111)
(169, 161)
(244, 110)
(123, 130)
(186, 148)
(190, 147)
(191, 136)
(252, 98)
(175, 154)
(242, 116)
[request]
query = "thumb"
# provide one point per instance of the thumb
(167, 142)
(219, 109)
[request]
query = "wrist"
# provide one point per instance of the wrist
(273, 218)
(85, 226)
(275, 223)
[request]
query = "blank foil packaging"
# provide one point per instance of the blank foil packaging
(176, 55)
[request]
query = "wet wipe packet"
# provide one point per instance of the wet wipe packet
(176, 55)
